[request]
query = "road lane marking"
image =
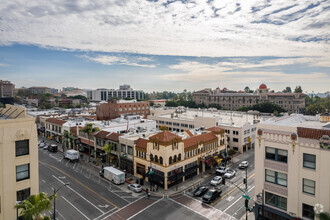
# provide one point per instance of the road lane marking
(100, 216)
(43, 181)
(75, 208)
(230, 191)
(144, 209)
(79, 183)
(79, 194)
(236, 201)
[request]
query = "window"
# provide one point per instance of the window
(309, 186)
(123, 148)
(235, 132)
(307, 211)
(23, 194)
(309, 161)
(179, 157)
(22, 172)
(151, 157)
(174, 160)
(155, 146)
(276, 177)
(276, 154)
(276, 201)
(160, 160)
(22, 148)
(130, 150)
(235, 139)
(156, 159)
(170, 160)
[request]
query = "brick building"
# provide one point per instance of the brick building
(116, 108)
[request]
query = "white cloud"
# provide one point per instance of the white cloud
(117, 60)
(220, 28)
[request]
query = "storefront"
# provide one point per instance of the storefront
(127, 165)
(175, 176)
(191, 170)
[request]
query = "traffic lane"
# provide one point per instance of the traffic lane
(167, 209)
(238, 209)
(82, 183)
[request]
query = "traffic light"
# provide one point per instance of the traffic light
(224, 181)
(244, 181)
(246, 204)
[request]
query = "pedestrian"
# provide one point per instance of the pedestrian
(156, 188)
(153, 188)
(147, 192)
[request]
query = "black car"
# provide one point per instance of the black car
(211, 195)
(52, 148)
(200, 191)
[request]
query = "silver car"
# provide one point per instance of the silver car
(229, 174)
(135, 187)
(243, 165)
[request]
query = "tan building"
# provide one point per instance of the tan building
(173, 158)
(19, 176)
(6, 89)
(291, 102)
(292, 167)
(39, 90)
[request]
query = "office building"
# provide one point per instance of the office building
(39, 90)
(292, 167)
(124, 92)
(19, 176)
(6, 89)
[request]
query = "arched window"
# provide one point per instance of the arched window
(174, 160)
(170, 160)
(199, 150)
(160, 160)
(156, 159)
(179, 157)
(151, 157)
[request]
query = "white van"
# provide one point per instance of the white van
(72, 155)
(114, 175)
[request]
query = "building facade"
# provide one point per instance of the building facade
(292, 173)
(173, 159)
(291, 102)
(6, 89)
(124, 92)
(115, 108)
(39, 90)
(19, 175)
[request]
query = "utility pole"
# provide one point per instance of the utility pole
(55, 191)
(246, 178)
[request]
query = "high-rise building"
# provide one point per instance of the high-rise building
(292, 164)
(19, 176)
(124, 92)
(6, 89)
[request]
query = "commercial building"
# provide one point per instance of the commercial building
(171, 159)
(19, 176)
(291, 102)
(124, 92)
(240, 127)
(115, 108)
(39, 90)
(292, 167)
(6, 89)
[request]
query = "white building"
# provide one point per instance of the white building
(124, 91)
(292, 167)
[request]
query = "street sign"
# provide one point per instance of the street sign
(246, 196)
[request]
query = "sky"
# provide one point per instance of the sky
(166, 45)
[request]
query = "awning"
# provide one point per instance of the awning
(86, 142)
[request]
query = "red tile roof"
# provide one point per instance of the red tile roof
(216, 129)
(286, 94)
(189, 133)
(113, 137)
(55, 121)
(86, 142)
(202, 91)
(165, 136)
(195, 140)
(312, 133)
(102, 134)
(142, 143)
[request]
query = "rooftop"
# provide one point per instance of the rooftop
(12, 112)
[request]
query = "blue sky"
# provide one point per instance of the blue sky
(166, 45)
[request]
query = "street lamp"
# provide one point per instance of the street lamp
(55, 191)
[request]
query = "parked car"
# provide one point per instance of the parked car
(200, 191)
(216, 180)
(229, 174)
(45, 147)
(52, 148)
(41, 145)
(135, 187)
(221, 170)
(243, 165)
(211, 195)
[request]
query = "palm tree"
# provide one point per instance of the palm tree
(34, 205)
(89, 130)
(107, 148)
(68, 139)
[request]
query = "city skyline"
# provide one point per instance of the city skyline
(166, 45)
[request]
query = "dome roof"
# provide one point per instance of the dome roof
(262, 86)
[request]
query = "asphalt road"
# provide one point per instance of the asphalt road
(90, 197)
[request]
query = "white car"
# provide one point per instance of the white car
(229, 174)
(221, 170)
(243, 165)
(41, 145)
(216, 180)
(135, 187)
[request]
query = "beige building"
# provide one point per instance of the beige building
(291, 102)
(39, 90)
(6, 89)
(19, 176)
(292, 167)
(173, 158)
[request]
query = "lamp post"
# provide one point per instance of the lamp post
(55, 191)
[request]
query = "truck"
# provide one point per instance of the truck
(72, 155)
(113, 174)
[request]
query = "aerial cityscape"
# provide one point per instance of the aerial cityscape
(164, 109)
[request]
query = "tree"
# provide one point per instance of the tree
(89, 130)
(107, 148)
(163, 128)
(35, 205)
(287, 89)
(67, 139)
(298, 89)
